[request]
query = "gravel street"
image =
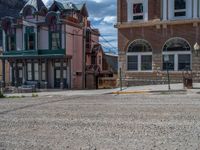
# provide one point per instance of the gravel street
(101, 122)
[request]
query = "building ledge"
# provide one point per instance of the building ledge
(34, 53)
(156, 22)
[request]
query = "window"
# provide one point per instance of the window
(36, 72)
(88, 39)
(132, 62)
(43, 72)
(30, 38)
(29, 70)
(55, 34)
(33, 71)
(179, 54)
(146, 62)
(55, 40)
(184, 62)
(139, 56)
(179, 8)
(10, 39)
(138, 11)
(170, 64)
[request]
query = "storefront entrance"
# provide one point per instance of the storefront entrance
(59, 75)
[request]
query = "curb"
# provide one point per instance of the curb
(130, 92)
(147, 92)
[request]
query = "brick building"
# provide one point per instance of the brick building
(151, 30)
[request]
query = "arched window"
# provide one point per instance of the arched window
(139, 56)
(176, 55)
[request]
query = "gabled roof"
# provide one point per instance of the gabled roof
(66, 5)
(37, 4)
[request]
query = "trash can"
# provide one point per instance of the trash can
(187, 82)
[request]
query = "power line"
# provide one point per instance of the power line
(113, 47)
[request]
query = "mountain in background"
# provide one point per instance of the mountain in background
(11, 7)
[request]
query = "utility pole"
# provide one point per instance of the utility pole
(120, 73)
(83, 58)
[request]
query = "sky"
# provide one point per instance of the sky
(102, 14)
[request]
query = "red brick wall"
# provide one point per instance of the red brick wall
(158, 37)
(154, 10)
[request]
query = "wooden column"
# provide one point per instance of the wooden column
(70, 73)
(46, 74)
(61, 75)
(40, 72)
(3, 73)
(16, 76)
(24, 72)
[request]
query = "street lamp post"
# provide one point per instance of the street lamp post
(196, 48)
(166, 59)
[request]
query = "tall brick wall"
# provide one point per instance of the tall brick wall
(157, 37)
(154, 10)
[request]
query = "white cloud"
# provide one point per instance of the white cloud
(109, 19)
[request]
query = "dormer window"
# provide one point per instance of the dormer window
(179, 8)
(138, 11)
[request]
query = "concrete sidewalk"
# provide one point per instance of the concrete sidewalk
(126, 90)
(155, 88)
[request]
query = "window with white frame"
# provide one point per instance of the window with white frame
(36, 72)
(137, 10)
(138, 13)
(43, 71)
(29, 71)
(179, 8)
(179, 53)
(139, 56)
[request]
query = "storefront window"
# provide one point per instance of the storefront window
(139, 56)
(179, 54)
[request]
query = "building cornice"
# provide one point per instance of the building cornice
(156, 22)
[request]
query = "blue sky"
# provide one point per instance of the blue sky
(102, 14)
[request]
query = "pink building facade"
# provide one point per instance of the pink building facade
(47, 47)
